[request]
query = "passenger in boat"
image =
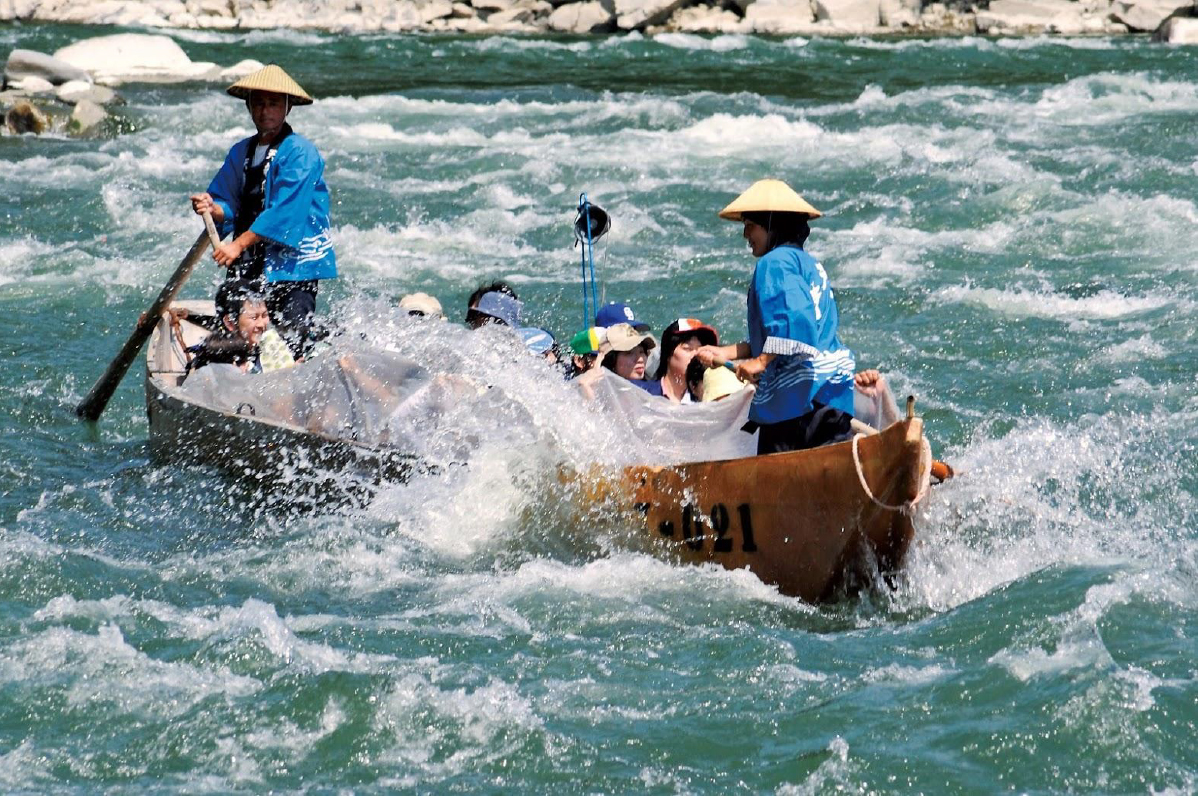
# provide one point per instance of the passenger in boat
(614, 313)
(585, 346)
(540, 342)
(680, 341)
(270, 193)
(720, 383)
(625, 352)
(497, 308)
(245, 339)
(695, 379)
(803, 372)
(421, 305)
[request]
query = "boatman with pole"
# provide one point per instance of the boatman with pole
(271, 195)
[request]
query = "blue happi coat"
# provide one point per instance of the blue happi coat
(295, 213)
(792, 314)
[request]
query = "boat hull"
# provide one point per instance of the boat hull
(800, 520)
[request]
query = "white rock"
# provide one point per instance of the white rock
(848, 15)
(1145, 16)
(240, 69)
(461, 24)
(633, 14)
(403, 16)
(492, 5)
(22, 9)
(135, 56)
(33, 85)
(430, 10)
(463, 11)
(30, 63)
(78, 90)
(705, 19)
(1021, 16)
(780, 16)
(86, 116)
(588, 17)
(1178, 30)
(1068, 23)
(512, 16)
(895, 14)
(213, 8)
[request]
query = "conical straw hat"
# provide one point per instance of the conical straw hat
(766, 195)
(270, 78)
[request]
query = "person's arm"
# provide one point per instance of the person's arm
(227, 253)
(717, 356)
(224, 192)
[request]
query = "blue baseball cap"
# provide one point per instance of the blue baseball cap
(538, 341)
(614, 313)
(501, 307)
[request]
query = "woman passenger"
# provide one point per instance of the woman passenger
(242, 314)
(680, 341)
(625, 353)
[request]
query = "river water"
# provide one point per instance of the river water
(1011, 231)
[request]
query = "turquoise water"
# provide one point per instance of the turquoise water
(1011, 231)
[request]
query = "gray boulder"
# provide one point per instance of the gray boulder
(1181, 27)
(593, 16)
(33, 85)
(780, 16)
(86, 117)
(705, 19)
(1144, 15)
(635, 14)
(136, 56)
(848, 15)
(76, 91)
(30, 63)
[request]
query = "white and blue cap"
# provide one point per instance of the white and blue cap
(538, 341)
(501, 307)
(614, 313)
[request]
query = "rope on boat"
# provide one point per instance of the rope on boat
(907, 507)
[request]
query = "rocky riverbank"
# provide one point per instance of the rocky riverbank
(1169, 20)
(66, 92)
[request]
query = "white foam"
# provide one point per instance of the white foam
(486, 723)
(519, 44)
(907, 675)
(102, 668)
(1025, 503)
(716, 44)
(1028, 663)
(837, 773)
(26, 768)
(1027, 303)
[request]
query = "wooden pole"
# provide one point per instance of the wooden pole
(93, 405)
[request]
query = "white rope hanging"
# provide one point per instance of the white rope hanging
(907, 507)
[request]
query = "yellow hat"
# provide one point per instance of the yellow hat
(720, 382)
(767, 195)
(270, 78)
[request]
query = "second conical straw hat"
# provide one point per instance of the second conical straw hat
(769, 195)
(270, 78)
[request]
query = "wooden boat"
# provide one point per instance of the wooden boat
(812, 522)
(238, 442)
